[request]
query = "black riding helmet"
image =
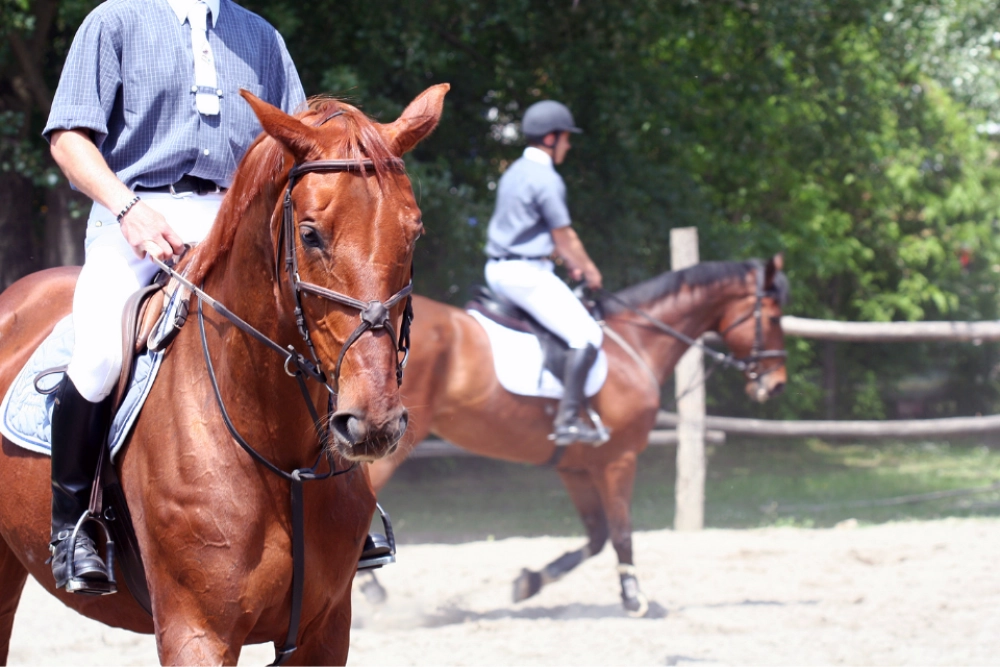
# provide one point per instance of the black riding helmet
(547, 116)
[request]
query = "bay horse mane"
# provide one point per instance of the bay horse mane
(259, 176)
(699, 275)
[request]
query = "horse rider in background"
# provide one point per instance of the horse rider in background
(147, 121)
(529, 224)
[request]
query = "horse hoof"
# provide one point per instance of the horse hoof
(527, 585)
(637, 606)
(373, 591)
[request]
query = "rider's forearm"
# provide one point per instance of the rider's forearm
(85, 167)
(570, 248)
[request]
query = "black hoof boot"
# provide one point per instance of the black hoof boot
(527, 585)
(376, 552)
(81, 569)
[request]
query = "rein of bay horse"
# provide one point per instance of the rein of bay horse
(648, 327)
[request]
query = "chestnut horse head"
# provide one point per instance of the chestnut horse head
(343, 224)
(751, 328)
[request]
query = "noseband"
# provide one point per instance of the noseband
(374, 315)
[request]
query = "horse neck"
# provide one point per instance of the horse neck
(251, 377)
(691, 310)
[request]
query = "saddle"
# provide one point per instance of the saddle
(508, 314)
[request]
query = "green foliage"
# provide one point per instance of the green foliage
(856, 136)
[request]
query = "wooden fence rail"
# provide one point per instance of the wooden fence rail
(898, 428)
(890, 332)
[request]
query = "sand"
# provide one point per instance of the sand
(917, 593)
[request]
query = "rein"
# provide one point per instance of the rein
(749, 364)
(374, 315)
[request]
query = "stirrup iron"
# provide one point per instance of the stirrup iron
(81, 586)
(385, 545)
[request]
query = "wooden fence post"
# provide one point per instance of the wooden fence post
(689, 388)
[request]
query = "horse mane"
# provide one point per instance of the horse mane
(703, 274)
(263, 172)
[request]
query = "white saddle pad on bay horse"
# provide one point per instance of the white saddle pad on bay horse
(519, 364)
(26, 414)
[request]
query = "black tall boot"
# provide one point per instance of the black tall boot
(570, 427)
(79, 428)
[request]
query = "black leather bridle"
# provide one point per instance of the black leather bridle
(750, 364)
(374, 314)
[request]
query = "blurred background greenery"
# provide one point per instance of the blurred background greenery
(859, 137)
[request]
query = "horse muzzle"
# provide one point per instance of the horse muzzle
(358, 438)
(767, 385)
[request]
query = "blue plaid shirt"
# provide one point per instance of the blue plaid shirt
(129, 79)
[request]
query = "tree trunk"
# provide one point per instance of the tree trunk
(18, 246)
(830, 379)
(65, 226)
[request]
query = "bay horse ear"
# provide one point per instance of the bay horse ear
(418, 120)
(298, 138)
(774, 266)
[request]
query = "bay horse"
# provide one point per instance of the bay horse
(214, 525)
(452, 391)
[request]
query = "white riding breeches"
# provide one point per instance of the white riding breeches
(111, 274)
(532, 285)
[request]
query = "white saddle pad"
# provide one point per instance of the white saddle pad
(519, 365)
(26, 415)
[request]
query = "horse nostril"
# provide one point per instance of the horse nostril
(349, 428)
(777, 389)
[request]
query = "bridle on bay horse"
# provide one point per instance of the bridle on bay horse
(751, 364)
(374, 315)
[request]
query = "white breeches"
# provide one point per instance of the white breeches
(111, 274)
(533, 286)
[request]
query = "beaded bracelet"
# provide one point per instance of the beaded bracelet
(128, 207)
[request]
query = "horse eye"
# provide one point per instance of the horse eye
(310, 237)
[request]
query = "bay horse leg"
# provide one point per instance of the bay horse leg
(588, 503)
(12, 578)
(615, 484)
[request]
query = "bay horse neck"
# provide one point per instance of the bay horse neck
(244, 278)
(692, 309)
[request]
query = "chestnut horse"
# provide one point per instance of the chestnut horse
(214, 525)
(451, 390)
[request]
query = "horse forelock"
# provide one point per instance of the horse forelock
(264, 171)
(699, 275)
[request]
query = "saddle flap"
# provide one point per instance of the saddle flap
(508, 314)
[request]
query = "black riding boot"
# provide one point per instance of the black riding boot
(78, 431)
(570, 427)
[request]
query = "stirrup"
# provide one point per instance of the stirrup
(83, 586)
(578, 431)
(382, 550)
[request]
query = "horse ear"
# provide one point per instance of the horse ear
(774, 266)
(418, 120)
(298, 138)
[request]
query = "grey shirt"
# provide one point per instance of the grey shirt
(531, 202)
(128, 78)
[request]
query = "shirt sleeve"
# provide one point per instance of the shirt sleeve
(551, 201)
(90, 81)
(285, 87)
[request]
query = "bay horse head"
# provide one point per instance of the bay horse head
(343, 224)
(751, 328)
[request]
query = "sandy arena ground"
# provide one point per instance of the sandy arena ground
(924, 593)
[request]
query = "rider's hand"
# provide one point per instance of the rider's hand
(593, 277)
(147, 231)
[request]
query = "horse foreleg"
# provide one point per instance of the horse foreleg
(12, 578)
(588, 503)
(615, 484)
(369, 585)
